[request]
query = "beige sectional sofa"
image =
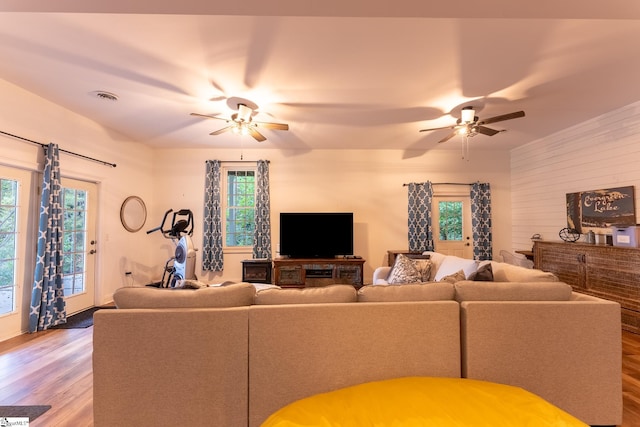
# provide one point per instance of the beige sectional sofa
(179, 363)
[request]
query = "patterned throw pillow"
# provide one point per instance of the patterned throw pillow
(404, 271)
(424, 268)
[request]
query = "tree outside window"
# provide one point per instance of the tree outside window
(8, 238)
(450, 220)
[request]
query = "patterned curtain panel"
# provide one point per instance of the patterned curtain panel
(481, 221)
(47, 296)
(262, 233)
(420, 227)
(212, 259)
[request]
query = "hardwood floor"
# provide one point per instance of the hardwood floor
(50, 368)
(54, 368)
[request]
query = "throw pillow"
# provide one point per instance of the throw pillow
(424, 268)
(452, 264)
(404, 271)
(190, 284)
(484, 273)
(453, 278)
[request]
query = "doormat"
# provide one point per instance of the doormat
(32, 412)
(81, 320)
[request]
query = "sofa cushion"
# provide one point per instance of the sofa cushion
(452, 264)
(503, 272)
(320, 294)
(513, 291)
(409, 292)
(233, 295)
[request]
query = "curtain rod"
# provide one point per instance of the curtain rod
(61, 150)
(445, 183)
(243, 161)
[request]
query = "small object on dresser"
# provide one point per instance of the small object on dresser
(569, 235)
(626, 236)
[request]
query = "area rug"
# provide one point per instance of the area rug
(81, 320)
(32, 412)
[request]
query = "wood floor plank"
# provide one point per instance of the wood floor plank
(54, 368)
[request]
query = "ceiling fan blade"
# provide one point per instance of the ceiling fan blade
(501, 118)
(274, 126)
(207, 116)
(256, 135)
(444, 127)
(485, 130)
(219, 131)
(448, 137)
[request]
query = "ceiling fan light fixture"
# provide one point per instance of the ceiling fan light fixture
(467, 115)
(244, 113)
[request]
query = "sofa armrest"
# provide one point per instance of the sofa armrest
(380, 275)
(567, 352)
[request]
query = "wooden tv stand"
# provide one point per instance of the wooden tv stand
(308, 272)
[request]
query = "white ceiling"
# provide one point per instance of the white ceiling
(342, 74)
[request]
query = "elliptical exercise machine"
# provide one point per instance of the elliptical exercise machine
(183, 264)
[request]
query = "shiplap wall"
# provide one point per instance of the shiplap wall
(600, 153)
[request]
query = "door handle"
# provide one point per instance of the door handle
(92, 251)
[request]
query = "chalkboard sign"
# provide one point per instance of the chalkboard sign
(601, 208)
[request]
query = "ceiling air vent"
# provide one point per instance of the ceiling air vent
(107, 96)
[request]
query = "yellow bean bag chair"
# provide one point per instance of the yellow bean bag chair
(423, 401)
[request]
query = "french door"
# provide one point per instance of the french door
(19, 209)
(16, 213)
(452, 234)
(79, 246)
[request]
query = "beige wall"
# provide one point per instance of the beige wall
(367, 183)
(29, 116)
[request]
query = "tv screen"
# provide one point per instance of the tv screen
(316, 235)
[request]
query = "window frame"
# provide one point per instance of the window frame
(225, 169)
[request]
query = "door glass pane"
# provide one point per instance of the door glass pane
(450, 224)
(8, 249)
(74, 238)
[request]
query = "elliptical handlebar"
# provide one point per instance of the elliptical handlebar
(161, 227)
(179, 226)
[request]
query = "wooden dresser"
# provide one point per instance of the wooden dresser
(609, 272)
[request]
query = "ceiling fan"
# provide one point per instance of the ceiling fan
(470, 125)
(242, 123)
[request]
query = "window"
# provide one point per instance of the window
(74, 240)
(8, 249)
(239, 206)
(450, 222)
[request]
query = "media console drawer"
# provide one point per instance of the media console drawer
(308, 272)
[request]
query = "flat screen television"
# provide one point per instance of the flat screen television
(316, 235)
